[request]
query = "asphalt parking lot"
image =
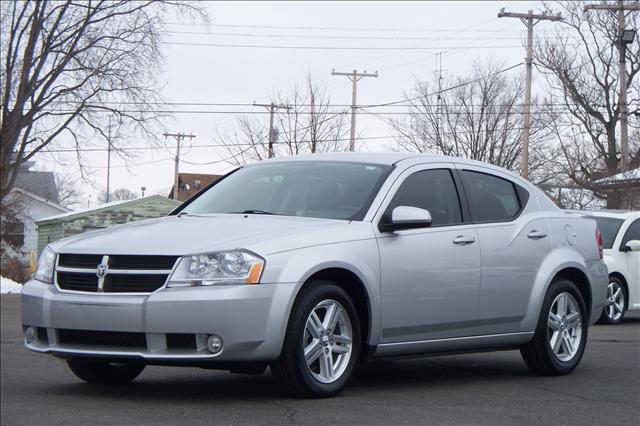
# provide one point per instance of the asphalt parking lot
(489, 388)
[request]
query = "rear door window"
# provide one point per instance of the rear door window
(491, 199)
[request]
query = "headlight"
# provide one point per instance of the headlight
(226, 267)
(46, 263)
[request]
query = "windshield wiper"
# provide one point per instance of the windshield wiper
(255, 212)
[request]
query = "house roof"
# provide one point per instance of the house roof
(43, 200)
(629, 175)
(628, 179)
(42, 184)
(106, 206)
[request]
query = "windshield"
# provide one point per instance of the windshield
(330, 190)
(609, 228)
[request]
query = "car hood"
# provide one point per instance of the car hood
(183, 235)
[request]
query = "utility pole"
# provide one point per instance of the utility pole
(529, 19)
(440, 99)
(109, 161)
(355, 77)
(179, 137)
(272, 107)
(312, 99)
(620, 7)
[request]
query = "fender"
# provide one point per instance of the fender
(359, 257)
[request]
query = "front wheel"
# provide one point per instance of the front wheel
(322, 342)
(616, 303)
(104, 373)
(561, 334)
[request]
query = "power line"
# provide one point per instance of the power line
(347, 48)
(318, 28)
(336, 37)
(404, 101)
(241, 104)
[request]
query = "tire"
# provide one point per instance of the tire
(104, 373)
(616, 304)
(569, 329)
(336, 346)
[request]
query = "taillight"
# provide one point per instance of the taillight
(599, 241)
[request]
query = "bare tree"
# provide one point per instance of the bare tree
(311, 125)
(68, 191)
(120, 194)
(68, 65)
(12, 210)
(479, 118)
(580, 62)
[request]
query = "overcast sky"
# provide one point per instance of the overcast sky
(201, 73)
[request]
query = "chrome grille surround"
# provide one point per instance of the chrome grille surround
(103, 272)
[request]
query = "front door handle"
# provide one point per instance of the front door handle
(536, 235)
(463, 240)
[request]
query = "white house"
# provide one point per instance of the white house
(38, 199)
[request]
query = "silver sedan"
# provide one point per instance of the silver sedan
(310, 265)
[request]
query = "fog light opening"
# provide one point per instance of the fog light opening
(214, 344)
(30, 334)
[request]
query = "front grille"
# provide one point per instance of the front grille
(102, 338)
(125, 273)
(77, 282)
(79, 260)
(134, 283)
(142, 262)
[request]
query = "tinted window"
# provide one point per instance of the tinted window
(491, 199)
(431, 190)
(633, 233)
(323, 189)
(609, 228)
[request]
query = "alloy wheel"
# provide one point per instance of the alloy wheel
(327, 341)
(565, 326)
(614, 305)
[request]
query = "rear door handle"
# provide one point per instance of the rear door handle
(463, 240)
(536, 235)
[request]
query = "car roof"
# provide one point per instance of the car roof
(382, 158)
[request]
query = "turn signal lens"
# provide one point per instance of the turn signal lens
(254, 273)
(599, 241)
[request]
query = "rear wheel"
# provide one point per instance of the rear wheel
(616, 304)
(104, 373)
(561, 334)
(322, 344)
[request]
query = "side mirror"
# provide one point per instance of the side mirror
(632, 245)
(405, 217)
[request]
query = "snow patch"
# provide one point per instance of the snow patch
(9, 286)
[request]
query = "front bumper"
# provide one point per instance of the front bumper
(250, 319)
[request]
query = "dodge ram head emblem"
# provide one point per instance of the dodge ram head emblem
(101, 272)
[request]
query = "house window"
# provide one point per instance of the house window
(14, 233)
